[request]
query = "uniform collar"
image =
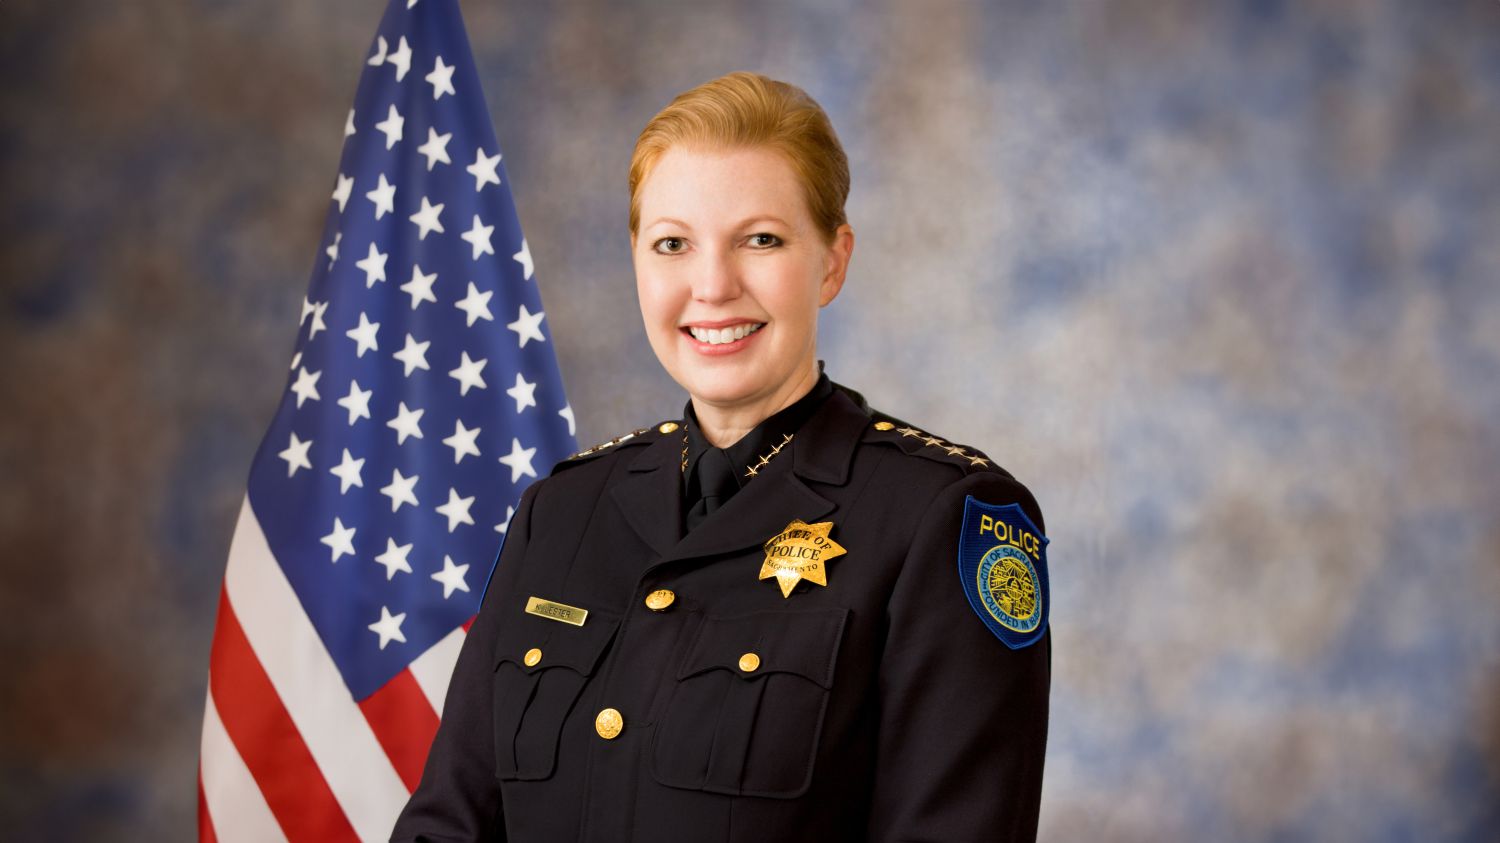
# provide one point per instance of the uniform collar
(761, 439)
(822, 453)
(825, 446)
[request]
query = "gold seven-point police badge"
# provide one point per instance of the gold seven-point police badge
(800, 552)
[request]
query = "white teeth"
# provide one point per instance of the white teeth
(721, 336)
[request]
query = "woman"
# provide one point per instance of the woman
(748, 624)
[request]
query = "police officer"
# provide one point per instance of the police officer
(784, 616)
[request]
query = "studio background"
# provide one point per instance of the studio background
(1219, 281)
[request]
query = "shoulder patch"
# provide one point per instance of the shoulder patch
(1002, 565)
(920, 443)
(639, 435)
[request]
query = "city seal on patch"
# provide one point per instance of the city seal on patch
(1002, 563)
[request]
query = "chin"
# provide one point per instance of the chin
(719, 390)
(725, 387)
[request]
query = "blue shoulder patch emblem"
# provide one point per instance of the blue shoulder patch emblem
(1002, 562)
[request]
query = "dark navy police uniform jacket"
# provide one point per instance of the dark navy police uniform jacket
(698, 702)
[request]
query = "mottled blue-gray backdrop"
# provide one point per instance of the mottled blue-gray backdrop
(1219, 281)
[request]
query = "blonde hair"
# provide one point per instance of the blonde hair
(744, 109)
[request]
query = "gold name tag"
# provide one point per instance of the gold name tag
(556, 611)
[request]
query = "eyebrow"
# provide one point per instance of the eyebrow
(742, 224)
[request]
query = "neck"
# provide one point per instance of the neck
(724, 425)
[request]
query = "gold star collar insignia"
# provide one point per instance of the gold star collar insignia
(800, 552)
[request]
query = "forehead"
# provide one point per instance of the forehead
(721, 186)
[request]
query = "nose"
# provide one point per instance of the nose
(717, 278)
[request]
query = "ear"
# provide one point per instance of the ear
(836, 265)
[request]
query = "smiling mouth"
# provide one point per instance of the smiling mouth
(723, 336)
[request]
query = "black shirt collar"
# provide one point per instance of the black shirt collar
(761, 439)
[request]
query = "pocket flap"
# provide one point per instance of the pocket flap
(805, 643)
(560, 644)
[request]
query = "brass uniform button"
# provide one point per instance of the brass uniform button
(884, 425)
(667, 427)
(660, 599)
(533, 656)
(608, 724)
(749, 662)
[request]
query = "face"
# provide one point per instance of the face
(731, 272)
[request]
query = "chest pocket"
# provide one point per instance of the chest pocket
(533, 700)
(747, 708)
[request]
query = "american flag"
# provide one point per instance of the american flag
(423, 395)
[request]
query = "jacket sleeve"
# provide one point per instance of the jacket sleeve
(963, 717)
(459, 796)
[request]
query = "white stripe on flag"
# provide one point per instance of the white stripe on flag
(308, 682)
(235, 805)
(434, 668)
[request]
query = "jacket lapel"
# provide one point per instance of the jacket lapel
(757, 513)
(650, 495)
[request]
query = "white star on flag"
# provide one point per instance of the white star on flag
(296, 455)
(519, 461)
(523, 392)
(484, 169)
(436, 148)
(452, 577)
(401, 59)
(419, 287)
(388, 627)
(373, 265)
(384, 197)
(456, 510)
(318, 309)
(357, 402)
(414, 355)
(341, 540)
(528, 326)
(441, 79)
(380, 50)
(392, 127)
(394, 559)
(306, 386)
(523, 257)
(467, 374)
(476, 305)
(401, 490)
(405, 424)
(341, 193)
(363, 335)
(426, 219)
(479, 237)
(348, 472)
(463, 441)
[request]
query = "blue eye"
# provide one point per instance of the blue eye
(657, 246)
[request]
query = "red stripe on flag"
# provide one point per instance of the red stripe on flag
(470, 622)
(205, 822)
(404, 723)
(267, 740)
